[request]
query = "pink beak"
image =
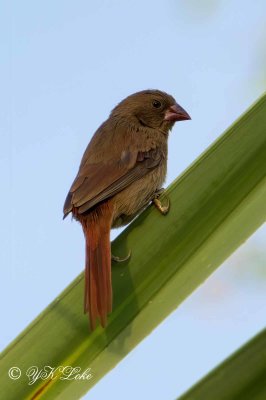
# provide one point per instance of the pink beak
(176, 113)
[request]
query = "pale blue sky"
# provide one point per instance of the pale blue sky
(66, 65)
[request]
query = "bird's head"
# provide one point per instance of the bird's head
(152, 109)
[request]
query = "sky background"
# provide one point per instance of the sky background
(64, 65)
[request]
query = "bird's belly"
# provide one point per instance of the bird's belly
(130, 201)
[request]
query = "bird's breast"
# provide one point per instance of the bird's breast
(130, 201)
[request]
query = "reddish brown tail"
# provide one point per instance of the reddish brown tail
(98, 285)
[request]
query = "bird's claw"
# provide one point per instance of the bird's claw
(121, 259)
(162, 208)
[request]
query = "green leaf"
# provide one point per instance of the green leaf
(241, 376)
(216, 205)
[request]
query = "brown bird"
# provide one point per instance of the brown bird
(121, 172)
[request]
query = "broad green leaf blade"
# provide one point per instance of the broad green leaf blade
(241, 376)
(215, 206)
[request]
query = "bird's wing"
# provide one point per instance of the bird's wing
(98, 181)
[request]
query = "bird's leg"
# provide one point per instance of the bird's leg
(162, 208)
(121, 259)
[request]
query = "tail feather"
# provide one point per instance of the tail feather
(98, 286)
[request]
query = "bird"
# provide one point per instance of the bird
(121, 172)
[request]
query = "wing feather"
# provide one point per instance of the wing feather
(98, 181)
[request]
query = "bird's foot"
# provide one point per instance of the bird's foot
(121, 259)
(158, 204)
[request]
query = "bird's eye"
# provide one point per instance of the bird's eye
(156, 103)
